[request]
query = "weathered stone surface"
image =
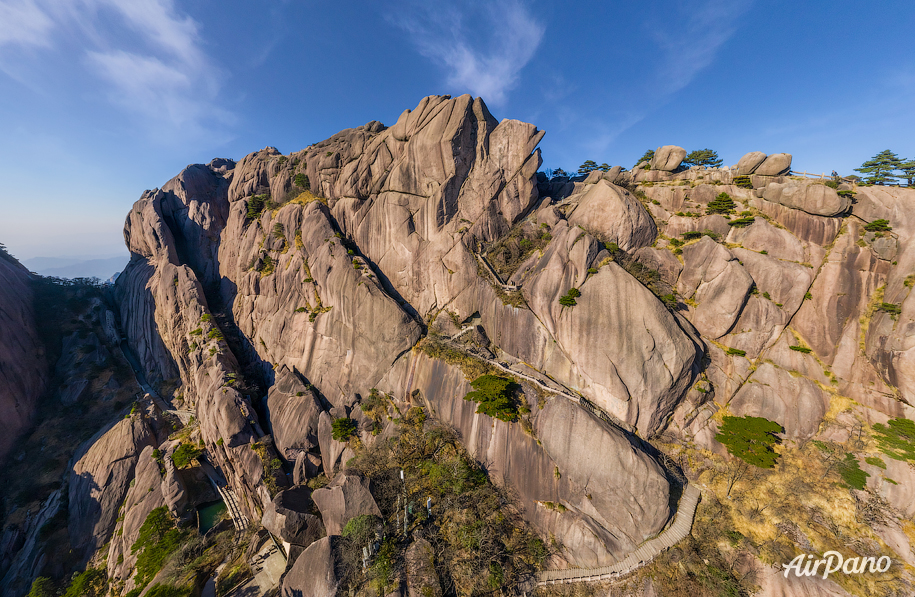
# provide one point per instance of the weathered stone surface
(807, 227)
(625, 367)
(173, 489)
(289, 516)
(716, 281)
(677, 225)
(775, 164)
(422, 579)
(777, 242)
(346, 497)
(816, 199)
(594, 532)
(796, 403)
(613, 214)
(23, 369)
(750, 162)
(663, 261)
(313, 574)
(143, 496)
(667, 158)
(99, 481)
(294, 410)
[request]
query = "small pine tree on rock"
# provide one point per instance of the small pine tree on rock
(908, 171)
(722, 204)
(879, 169)
(646, 157)
(588, 166)
(703, 157)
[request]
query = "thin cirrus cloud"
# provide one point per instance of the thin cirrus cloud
(486, 61)
(688, 39)
(148, 55)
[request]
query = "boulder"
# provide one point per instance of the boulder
(774, 165)
(777, 242)
(307, 465)
(797, 403)
(346, 497)
(667, 158)
(289, 516)
(715, 280)
(750, 162)
(100, 479)
(331, 449)
(662, 261)
(816, 199)
(613, 214)
(294, 410)
(422, 579)
(314, 572)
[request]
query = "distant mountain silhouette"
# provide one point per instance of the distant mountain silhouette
(62, 267)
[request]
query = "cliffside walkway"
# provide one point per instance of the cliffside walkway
(228, 496)
(492, 272)
(676, 532)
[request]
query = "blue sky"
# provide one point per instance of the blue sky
(101, 99)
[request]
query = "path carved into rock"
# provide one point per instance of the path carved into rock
(676, 532)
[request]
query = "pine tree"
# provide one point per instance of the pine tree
(604, 167)
(751, 439)
(588, 166)
(880, 167)
(649, 155)
(908, 171)
(703, 157)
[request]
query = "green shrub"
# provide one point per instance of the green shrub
(494, 395)
(722, 204)
(90, 583)
(736, 351)
(568, 299)
(742, 222)
(279, 231)
(878, 226)
(185, 454)
(896, 439)
(256, 206)
(266, 266)
(206, 318)
(301, 181)
(343, 429)
(802, 349)
(752, 439)
(196, 332)
(156, 540)
(890, 308)
(42, 587)
(875, 461)
(851, 472)
(159, 590)
(743, 182)
(808, 296)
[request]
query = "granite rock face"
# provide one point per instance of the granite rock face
(100, 479)
(774, 165)
(750, 162)
(345, 498)
(23, 371)
(668, 158)
(313, 574)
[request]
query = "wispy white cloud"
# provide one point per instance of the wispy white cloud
(23, 23)
(147, 53)
(689, 39)
(485, 60)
